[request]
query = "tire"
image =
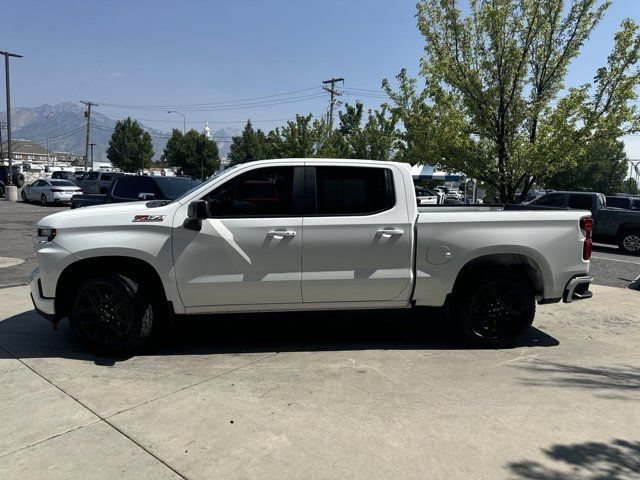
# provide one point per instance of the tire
(18, 180)
(23, 196)
(481, 303)
(629, 242)
(111, 315)
(43, 200)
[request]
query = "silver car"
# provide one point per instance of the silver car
(50, 191)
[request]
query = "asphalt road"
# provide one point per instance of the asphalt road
(611, 267)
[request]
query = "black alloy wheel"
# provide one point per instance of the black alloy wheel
(112, 314)
(495, 307)
(103, 314)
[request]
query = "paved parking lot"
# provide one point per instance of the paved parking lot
(362, 395)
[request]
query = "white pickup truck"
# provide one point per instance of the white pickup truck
(305, 234)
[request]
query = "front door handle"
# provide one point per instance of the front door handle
(280, 234)
(390, 232)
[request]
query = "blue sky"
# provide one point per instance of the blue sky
(166, 52)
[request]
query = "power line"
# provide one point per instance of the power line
(221, 102)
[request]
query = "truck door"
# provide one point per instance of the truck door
(357, 242)
(249, 249)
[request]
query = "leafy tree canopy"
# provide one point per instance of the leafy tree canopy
(192, 153)
(494, 105)
(130, 148)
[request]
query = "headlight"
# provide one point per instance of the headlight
(46, 234)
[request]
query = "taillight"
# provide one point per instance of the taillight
(586, 224)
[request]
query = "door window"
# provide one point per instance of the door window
(582, 202)
(354, 190)
(131, 187)
(263, 192)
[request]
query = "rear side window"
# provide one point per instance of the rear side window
(131, 187)
(263, 192)
(551, 200)
(582, 202)
(106, 177)
(353, 190)
(618, 202)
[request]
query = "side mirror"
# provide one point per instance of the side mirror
(196, 212)
(146, 196)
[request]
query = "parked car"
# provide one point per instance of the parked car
(63, 175)
(629, 203)
(49, 191)
(131, 188)
(424, 196)
(333, 234)
(97, 182)
(612, 226)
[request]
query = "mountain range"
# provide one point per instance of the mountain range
(67, 129)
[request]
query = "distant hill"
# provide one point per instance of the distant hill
(67, 129)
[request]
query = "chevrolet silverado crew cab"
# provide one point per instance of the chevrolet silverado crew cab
(301, 234)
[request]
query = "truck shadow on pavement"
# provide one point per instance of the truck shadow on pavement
(616, 460)
(27, 335)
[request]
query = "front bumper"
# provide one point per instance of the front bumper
(577, 288)
(45, 306)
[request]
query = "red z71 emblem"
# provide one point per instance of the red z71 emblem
(148, 218)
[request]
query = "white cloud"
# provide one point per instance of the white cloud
(115, 75)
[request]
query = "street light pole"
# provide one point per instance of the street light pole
(10, 153)
(46, 129)
(184, 119)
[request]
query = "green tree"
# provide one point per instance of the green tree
(630, 186)
(130, 148)
(601, 167)
(250, 145)
(192, 153)
(494, 104)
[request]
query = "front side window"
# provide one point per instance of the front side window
(263, 192)
(354, 190)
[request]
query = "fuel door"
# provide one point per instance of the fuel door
(438, 255)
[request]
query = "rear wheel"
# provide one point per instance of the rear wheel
(112, 315)
(493, 307)
(43, 200)
(629, 242)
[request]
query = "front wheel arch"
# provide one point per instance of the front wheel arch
(132, 267)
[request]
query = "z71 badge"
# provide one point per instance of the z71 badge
(148, 218)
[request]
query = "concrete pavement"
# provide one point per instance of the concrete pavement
(362, 395)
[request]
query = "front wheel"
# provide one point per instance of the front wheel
(112, 315)
(493, 307)
(629, 242)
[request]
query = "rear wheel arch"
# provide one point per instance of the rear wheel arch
(523, 264)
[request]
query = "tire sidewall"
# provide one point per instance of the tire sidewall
(43, 200)
(140, 315)
(623, 237)
(468, 293)
(23, 195)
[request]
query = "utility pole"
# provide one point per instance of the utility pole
(9, 193)
(91, 145)
(86, 147)
(332, 93)
(2, 125)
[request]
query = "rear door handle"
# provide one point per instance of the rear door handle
(279, 234)
(390, 232)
